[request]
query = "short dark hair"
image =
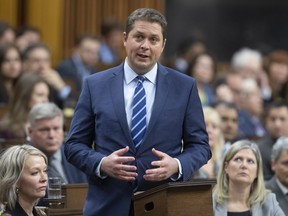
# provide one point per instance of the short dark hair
(146, 14)
(32, 47)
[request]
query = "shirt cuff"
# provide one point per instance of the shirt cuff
(64, 93)
(98, 170)
(175, 177)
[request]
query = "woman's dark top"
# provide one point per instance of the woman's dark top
(246, 213)
(19, 211)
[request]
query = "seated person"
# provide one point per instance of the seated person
(46, 133)
(240, 188)
(23, 174)
(279, 182)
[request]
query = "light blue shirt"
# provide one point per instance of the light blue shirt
(130, 83)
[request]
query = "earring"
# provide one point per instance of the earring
(17, 190)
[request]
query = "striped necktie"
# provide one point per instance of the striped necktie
(138, 126)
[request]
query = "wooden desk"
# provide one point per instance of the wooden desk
(72, 203)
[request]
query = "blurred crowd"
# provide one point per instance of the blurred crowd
(245, 98)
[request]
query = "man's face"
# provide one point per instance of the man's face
(280, 167)
(144, 45)
(47, 135)
(37, 61)
(229, 118)
(277, 122)
(89, 52)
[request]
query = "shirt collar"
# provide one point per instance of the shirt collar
(130, 75)
(281, 186)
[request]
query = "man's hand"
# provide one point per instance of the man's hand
(113, 165)
(165, 167)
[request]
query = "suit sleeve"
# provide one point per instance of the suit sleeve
(79, 145)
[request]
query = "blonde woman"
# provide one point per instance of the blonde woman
(216, 143)
(23, 174)
(240, 188)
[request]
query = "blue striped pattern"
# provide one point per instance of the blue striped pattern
(138, 126)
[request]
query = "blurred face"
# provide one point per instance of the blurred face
(229, 118)
(224, 93)
(278, 73)
(114, 40)
(33, 181)
(30, 37)
(47, 135)
(252, 101)
(213, 131)
(277, 122)
(144, 45)
(89, 52)
(7, 37)
(11, 67)
(280, 167)
(203, 70)
(38, 61)
(40, 94)
(242, 168)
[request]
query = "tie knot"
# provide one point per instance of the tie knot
(141, 79)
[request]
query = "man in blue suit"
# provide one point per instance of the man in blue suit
(175, 142)
(46, 133)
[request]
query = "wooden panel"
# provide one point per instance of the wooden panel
(48, 17)
(9, 11)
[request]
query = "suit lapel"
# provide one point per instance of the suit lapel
(117, 95)
(162, 89)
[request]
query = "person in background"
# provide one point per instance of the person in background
(216, 142)
(278, 184)
(23, 174)
(164, 141)
(276, 122)
(251, 111)
(185, 52)
(229, 122)
(7, 33)
(248, 63)
(37, 59)
(10, 70)
(82, 63)
(46, 134)
(29, 90)
(203, 69)
(276, 68)
(111, 42)
(240, 188)
(26, 36)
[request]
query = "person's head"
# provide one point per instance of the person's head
(276, 119)
(202, 68)
(252, 101)
(36, 58)
(10, 62)
(229, 117)
(214, 130)
(241, 166)
(23, 174)
(29, 89)
(26, 36)
(112, 31)
(279, 159)
(87, 47)
(46, 127)
(144, 39)
(7, 33)
(247, 62)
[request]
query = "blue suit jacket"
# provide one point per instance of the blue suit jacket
(100, 117)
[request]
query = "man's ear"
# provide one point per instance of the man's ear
(125, 36)
(273, 165)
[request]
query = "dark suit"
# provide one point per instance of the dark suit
(265, 146)
(100, 117)
(280, 196)
(71, 73)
